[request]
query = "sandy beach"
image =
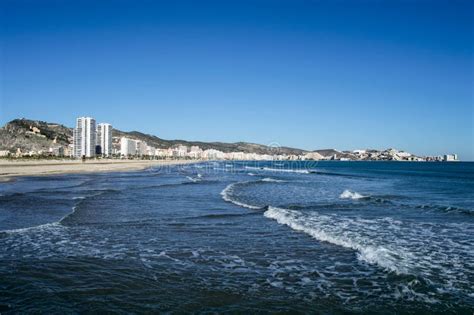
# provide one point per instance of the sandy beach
(12, 169)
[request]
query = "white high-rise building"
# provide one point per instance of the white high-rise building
(84, 137)
(104, 138)
(128, 147)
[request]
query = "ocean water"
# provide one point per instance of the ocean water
(245, 237)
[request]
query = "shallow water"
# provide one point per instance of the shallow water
(330, 237)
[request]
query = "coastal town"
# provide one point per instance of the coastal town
(91, 140)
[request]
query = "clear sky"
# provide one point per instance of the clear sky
(307, 74)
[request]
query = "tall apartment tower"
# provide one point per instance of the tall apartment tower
(84, 137)
(104, 138)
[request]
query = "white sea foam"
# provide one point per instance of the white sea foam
(42, 226)
(285, 170)
(227, 192)
(272, 180)
(166, 255)
(325, 228)
(347, 194)
(193, 179)
(251, 174)
(253, 168)
(402, 247)
(32, 228)
(67, 215)
(51, 224)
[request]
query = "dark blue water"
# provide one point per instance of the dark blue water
(328, 237)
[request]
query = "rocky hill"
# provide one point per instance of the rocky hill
(34, 135)
(29, 135)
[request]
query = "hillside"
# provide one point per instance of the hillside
(221, 146)
(34, 135)
(28, 135)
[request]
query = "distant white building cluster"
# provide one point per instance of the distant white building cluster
(90, 140)
(396, 155)
(450, 157)
(385, 155)
(137, 148)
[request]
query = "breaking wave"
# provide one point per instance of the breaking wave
(227, 192)
(32, 228)
(59, 223)
(347, 194)
(270, 169)
(446, 209)
(272, 180)
(324, 228)
(401, 247)
(227, 196)
(194, 180)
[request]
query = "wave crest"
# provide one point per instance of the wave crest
(227, 196)
(272, 180)
(323, 228)
(270, 169)
(347, 194)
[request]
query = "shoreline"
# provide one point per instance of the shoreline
(9, 170)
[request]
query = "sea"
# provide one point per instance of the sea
(326, 237)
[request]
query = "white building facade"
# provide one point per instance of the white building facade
(141, 147)
(128, 147)
(84, 137)
(450, 157)
(104, 138)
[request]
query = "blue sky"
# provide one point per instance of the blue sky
(308, 74)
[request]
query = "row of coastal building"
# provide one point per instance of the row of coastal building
(96, 140)
(90, 141)
(396, 155)
(137, 148)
